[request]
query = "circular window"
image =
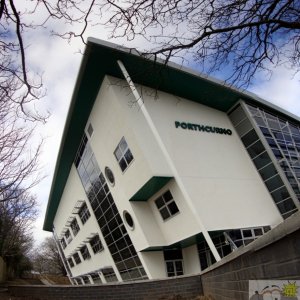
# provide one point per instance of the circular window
(128, 219)
(109, 175)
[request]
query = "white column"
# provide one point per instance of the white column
(148, 118)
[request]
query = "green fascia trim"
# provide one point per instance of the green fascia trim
(152, 186)
(192, 240)
(100, 59)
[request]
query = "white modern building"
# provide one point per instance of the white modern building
(163, 171)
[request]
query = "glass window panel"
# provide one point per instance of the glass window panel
(237, 115)
(274, 183)
(294, 129)
(128, 156)
(178, 267)
(123, 145)
(117, 257)
(278, 135)
(277, 153)
(244, 127)
(280, 194)
(116, 234)
(260, 121)
(287, 137)
(258, 231)
(250, 138)
(164, 213)
(125, 253)
(247, 233)
(255, 149)
(167, 196)
(287, 205)
(159, 202)
(271, 142)
(123, 164)
(274, 124)
(173, 208)
(170, 267)
(118, 153)
(268, 171)
(262, 160)
(265, 131)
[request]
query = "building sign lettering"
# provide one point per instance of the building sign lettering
(204, 128)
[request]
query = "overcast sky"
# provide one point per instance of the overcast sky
(59, 62)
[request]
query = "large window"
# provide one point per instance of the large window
(174, 262)
(85, 252)
(166, 205)
(77, 258)
(68, 236)
(70, 261)
(63, 243)
(123, 154)
(84, 213)
(96, 244)
(75, 227)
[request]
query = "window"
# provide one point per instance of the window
(128, 219)
(86, 279)
(84, 213)
(109, 175)
(77, 258)
(70, 261)
(174, 262)
(85, 252)
(96, 278)
(75, 227)
(109, 275)
(96, 244)
(123, 154)
(68, 236)
(90, 130)
(166, 205)
(63, 243)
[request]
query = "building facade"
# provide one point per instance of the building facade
(162, 172)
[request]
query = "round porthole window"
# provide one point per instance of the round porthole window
(109, 175)
(128, 219)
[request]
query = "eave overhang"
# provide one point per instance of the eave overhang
(100, 59)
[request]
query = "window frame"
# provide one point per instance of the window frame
(84, 213)
(165, 207)
(98, 246)
(85, 253)
(123, 152)
(75, 226)
(76, 258)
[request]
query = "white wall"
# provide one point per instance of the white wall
(73, 192)
(222, 181)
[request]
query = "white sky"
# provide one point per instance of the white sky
(59, 63)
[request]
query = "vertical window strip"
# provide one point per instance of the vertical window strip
(260, 157)
(107, 215)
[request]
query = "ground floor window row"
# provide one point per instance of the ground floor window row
(96, 277)
(96, 246)
(227, 241)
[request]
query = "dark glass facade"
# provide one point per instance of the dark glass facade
(107, 215)
(269, 170)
